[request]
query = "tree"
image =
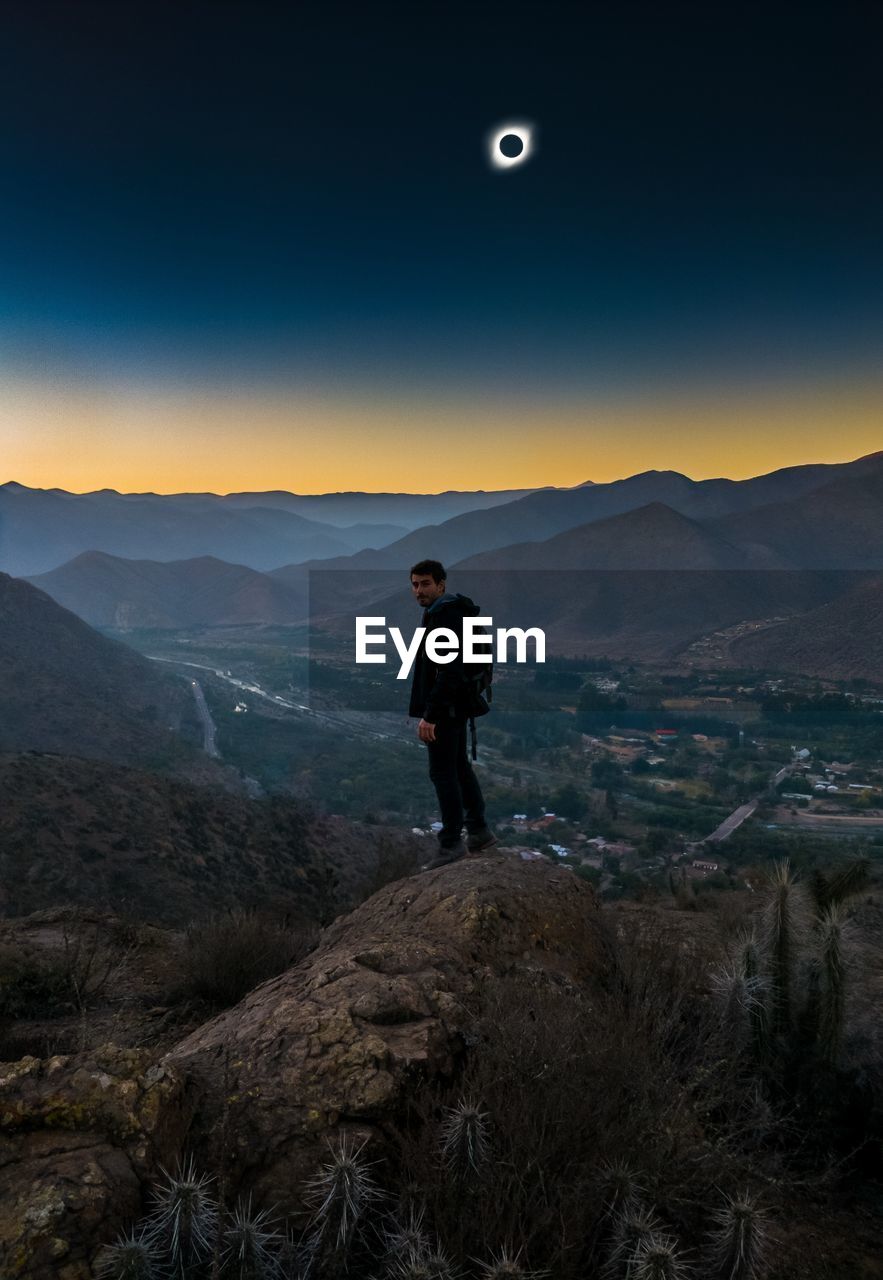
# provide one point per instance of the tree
(607, 773)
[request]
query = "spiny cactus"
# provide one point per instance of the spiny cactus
(740, 996)
(759, 1114)
(739, 1240)
(432, 1265)
(657, 1257)
(830, 963)
(464, 1139)
(785, 921)
(619, 1187)
(508, 1266)
(130, 1257)
(250, 1245)
(292, 1258)
(341, 1193)
(633, 1226)
(831, 890)
(185, 1216)
(406, 1238)
(751, 964)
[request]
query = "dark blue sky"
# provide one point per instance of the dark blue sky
(269, 193)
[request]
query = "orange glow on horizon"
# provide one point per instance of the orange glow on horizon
(140, 439)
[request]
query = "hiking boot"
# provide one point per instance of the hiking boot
(453, 853)
(478, 841)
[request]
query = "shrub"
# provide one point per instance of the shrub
(31, 985)
(227, 956)
(587, 1101)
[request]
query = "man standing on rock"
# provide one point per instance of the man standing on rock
(440, 698)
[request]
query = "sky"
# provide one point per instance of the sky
(261, 246)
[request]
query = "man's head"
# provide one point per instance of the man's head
(427, 581)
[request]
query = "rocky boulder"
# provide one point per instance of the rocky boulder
(79, 1137)
(333, 1044)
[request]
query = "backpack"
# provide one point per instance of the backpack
(478, 685)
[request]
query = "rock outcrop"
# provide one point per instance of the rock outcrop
(333, 1043)
(331, 1046)
(79, 1137)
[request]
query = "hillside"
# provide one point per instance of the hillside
(651, 537)
(629, 613)
(109, 591)
(647, 614)
(840, 640)
(65, 688)
(837, 526)
(162, 850)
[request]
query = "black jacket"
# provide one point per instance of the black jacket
(437, 691)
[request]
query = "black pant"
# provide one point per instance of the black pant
(456, 785)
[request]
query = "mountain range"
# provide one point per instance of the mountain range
(541, 515)
(661, 560)
(41, 529)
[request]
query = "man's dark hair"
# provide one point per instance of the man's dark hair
(435, 567)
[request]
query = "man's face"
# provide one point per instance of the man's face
(426, 589)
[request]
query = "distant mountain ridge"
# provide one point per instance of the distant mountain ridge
(836, 526)
(41, 529)
(545, 513)
(110, 591)
(654, 575)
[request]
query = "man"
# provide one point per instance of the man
(440, 699)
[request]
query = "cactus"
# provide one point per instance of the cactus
(130, 1257)
(507, 1266)
(785, 929)
(249, 1245)
(406, 1240)
(619, 1187)
(432, 1265)
(739, 1239)
(656, 1257)
(633, 1226)
(341, 1193)
(830, 964)
(464, 1139)
(832, 890)
(185, 1217)
(293, 1258)
(740, 995)
(750, 960)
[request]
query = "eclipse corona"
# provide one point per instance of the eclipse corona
(522, 131)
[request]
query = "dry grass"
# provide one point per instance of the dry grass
(225, 957)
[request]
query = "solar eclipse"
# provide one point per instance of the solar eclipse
(510, 144)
